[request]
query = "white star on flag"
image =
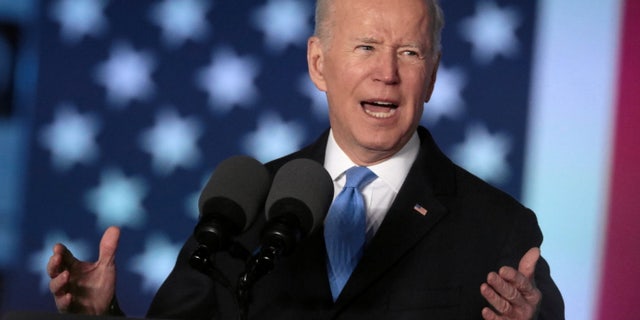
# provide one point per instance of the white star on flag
(447, 100)
(126, 75)
(117, 200)
(284, 23)
(259, 143)
(181, 20)
(492, 31)
(172, 142)
(229, 81)
(79, 18)
(70, 138)
(156, 262)
(484, 154)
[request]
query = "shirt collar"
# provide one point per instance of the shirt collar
(392, 171)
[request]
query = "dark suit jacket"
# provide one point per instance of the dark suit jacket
(416, 267)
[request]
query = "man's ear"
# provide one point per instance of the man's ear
(315, 62)
(434, 73)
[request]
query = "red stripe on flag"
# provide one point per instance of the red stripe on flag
(619, 294)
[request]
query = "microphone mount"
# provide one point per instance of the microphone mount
(279, 238)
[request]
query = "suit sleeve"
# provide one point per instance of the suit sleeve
(525, 235)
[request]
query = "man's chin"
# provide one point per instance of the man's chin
(382, 149)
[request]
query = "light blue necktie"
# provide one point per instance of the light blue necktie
(345, 228)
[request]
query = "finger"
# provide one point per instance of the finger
(517, 279)
(67, 258)
(488, 314)
(54, 266)
(504, 285)
(494, 298)
(58, 285)
(109, 245)
(528, 295)
(63, 302)
(60, 260)
(527, 265)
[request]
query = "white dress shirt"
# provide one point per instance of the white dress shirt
(379, 194)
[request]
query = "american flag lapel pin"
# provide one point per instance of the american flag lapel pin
(419, 209)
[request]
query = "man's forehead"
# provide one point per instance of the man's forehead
(377, 13)
(419, 7)
(377, 31)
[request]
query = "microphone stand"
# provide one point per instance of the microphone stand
(279, 238)
(202, 259)
(257, 267)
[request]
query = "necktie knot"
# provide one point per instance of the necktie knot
(358, 177)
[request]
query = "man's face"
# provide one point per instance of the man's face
(377, 68)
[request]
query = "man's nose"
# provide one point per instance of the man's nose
(387, 68)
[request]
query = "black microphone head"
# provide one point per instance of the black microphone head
(235, 192)
(303, 188)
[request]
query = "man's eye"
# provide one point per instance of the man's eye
(365, 47)
(410, 53)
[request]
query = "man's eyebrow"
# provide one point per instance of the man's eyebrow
(416, 45)
(372, 40)
(367, 39)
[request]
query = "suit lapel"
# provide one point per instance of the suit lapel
(388, 246)
(430, 178)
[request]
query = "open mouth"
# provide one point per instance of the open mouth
(379, 109)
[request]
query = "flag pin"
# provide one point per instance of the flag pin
(419, 209)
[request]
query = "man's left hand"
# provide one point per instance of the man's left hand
(513, 293)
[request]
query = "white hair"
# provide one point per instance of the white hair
(323, 27)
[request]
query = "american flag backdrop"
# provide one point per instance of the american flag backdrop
(122, 109)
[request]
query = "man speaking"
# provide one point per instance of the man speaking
(409, 234)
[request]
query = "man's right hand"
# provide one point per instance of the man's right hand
(84, 287)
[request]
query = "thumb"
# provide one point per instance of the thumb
(528, 262)
(108, 245)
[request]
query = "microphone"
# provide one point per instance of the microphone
(297, 204)
(300, 196)
(228, 205)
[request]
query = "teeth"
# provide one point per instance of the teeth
(389, 111)
(384, 104)
(381, 115)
